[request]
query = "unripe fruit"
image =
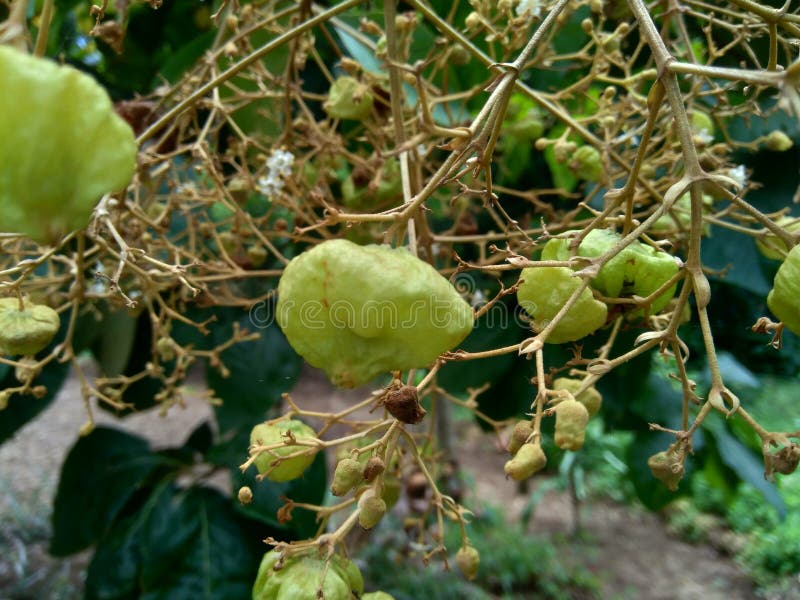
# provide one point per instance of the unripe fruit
(571, 420)
(346, 477)
(590, 397)
(778, 141)
(348, 98)
(245, 495)
(544, 292)
(586, 163)
(267, 434)
(165, 349)
(522, 431)
(771, 245)
(5, 396)
(257, 255)
(300, 578)
(529, 459)
(27, 331)
(370, 509)
(377, 596)
(468, 560)
(637, 270)
(358, 311)
(63, 147)
(783, 298)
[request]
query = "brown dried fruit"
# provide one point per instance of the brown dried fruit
(374, 467)
(403, 404)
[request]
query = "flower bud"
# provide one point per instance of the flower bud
(586, 163)
(245, 495)
(468, 560)
(778, 141)
(529, 459)
(571, 420)
(346, 476)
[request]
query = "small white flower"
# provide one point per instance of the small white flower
(478, 299)
(529, 8)
(704, 137)
(279, 165)
(739, 175)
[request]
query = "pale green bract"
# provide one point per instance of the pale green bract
(545, 290)
(784, 298)
(301, 576)
(638, 269)
(359, 311)
(265, 434)
(63, 147)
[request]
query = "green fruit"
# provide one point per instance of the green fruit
(468, 560)
(571, 420)
(27, 331)
(370, 509)
(771, 245)
(778, 141)
(63, 147)
(302, 576)
(266, 434)
(359, 311)
(590, 397)
(783, 298)
(702, 124)
(348, 474)
(377, 596)
(638, 269)
(545, 290)
(348, 98)
(389, 188)
(528, 460)
(523, 119)
(586, 163)
(522, 431)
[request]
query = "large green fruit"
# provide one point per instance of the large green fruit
(358, 311)
(62, 148)
(639, 269)
(26, 331)
(301, 577)
(266, 434)
(545, 290)
(784, 299)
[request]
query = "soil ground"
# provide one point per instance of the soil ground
(629, 549)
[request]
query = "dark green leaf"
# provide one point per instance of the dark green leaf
(101, 473)
(113, 347)
(182, 544)
(260, 371)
